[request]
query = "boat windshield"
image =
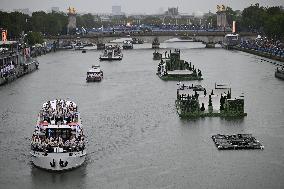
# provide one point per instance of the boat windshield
(64, 133)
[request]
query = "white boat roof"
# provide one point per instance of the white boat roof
(95, 70)
(53, 103)
(59, 126)
(231, 35)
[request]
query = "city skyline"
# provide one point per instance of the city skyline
(133, 6)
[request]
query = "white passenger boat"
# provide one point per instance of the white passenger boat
(112, 53)
(58, 142)
(95, 74)
(230, 40)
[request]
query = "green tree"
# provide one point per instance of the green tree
(39, 22)
(33, 38)
(152, 20)
(253, 18)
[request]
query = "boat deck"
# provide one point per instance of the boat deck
(180, 72)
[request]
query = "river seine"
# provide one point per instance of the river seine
(135, 137)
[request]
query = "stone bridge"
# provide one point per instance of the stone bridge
(208, 38)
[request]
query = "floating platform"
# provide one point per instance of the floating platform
(196, 101)
(173, 68)
(236, 142)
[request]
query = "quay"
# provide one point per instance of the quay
(260, 53)
(173, 68)
(15, 62)
(236, 142)
(195, 101)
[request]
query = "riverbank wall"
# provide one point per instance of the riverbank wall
(259, 53)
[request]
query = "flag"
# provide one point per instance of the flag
(4, 35)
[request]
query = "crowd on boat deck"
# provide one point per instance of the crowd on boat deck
(62, 113)
(265, 45)
(46, 144)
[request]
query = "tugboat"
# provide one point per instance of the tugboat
(155, 43)
(279, 72)
(112, 53)
(157, 55)
(95, 74)
(58, 141)
(15, 61)
(127, 44)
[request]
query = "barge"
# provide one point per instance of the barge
(236, 142)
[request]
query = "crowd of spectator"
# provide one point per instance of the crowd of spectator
(265, 45)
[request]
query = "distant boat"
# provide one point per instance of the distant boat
(157, 56)
(89, 46)
(137, 41)
(231, 40)
(127, 44)
(101, 46)
(155, 43)
(279, 72)
(78, 46)
(95, 74)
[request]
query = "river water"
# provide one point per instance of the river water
(135, 138)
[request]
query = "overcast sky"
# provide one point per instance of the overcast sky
(133, 6)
